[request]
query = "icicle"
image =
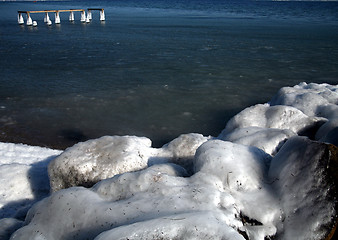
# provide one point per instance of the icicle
(102, 16)
(29, 20)
(20, 19)
(83, 16)
(46, 18)
(71, 17)
(57, 18)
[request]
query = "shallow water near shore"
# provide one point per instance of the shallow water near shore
(153, 68)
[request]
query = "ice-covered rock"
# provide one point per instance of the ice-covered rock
(304, 175)
(238, 167)
(266, 116)
(267, 139)
(328, 132)
(311, 99)
(160, 203)
(305, 109)
(155, 203)
(182, 150)
(243, 172)
(88, 162)
(314, 100)
(237, 192)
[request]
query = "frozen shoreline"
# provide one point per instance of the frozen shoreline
(172, 182)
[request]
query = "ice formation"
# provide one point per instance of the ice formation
(261, 178)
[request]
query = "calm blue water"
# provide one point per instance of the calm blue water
(155, 68)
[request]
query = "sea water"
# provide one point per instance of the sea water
(155, 68)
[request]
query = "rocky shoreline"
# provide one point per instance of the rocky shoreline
(270, 174)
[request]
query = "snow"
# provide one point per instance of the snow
(23, 181)
(23, 175)
(261, 177)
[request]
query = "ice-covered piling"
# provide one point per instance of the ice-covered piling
(46, 18)
(71, 16)
(102, 15)
(89, 15)
(57, 18)
(29, 20)
(20, 18)
(83, 16)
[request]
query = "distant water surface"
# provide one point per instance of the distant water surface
(155, 68)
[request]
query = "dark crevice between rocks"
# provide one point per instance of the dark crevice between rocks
(249, 221)
(310, 131)
(243, 233)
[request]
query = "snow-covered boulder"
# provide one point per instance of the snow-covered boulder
(312, 99)
(88, 162)
(305, 109)
(238, 167)
(147, 204)
(237, 192)
(267, 139)
(328, 132)
(182, 150)
(266, 116)
(160, 202)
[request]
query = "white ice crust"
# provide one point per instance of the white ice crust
(256, 179)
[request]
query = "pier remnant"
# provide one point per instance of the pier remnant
(57, 15)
